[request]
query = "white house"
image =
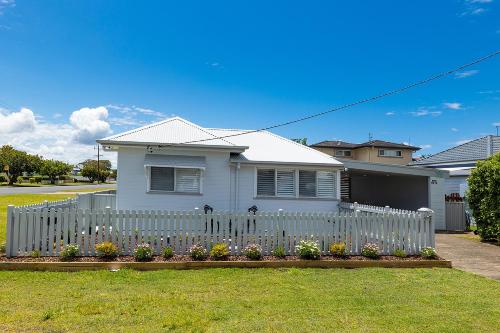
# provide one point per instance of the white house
(460, 160)
(177, 165)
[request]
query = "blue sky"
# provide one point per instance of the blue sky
(73, 71)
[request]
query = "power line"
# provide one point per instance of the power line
(359, 102)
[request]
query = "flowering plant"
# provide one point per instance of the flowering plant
(219, 251)
(198, 252)
(143, 252)
(428, 253)
(308, 250)
(69, 252)
(253, 251)
(370, 250)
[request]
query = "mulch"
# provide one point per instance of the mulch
(185, 258)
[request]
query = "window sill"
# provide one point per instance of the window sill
(172, 193)
(294, 198)
(390, 156)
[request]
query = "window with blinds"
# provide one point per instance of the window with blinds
(307, 183)
(283, 183)
(286, 183)
(326, 184)
(184, 180)
(162, 179)
(266, 182)
(187, 180)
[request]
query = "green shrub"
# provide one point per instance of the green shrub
(35, 254)
(69, 252)
(484, 197)
(143, 252)
(38, 179)
(279, 252)
(370, 250)
(20, 179)
(32, 180)
(3, 247)
(167, 252)
(220, 251)
(338, 249)
(428, 253)
(106, 250)
(198, 252)
(3, 179)
(400, 253)
(308, 250)
(253, 251)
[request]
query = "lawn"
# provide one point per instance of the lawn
(251, 300)
(22, 199)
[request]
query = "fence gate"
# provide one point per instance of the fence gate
(455, 216)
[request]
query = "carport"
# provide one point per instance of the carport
(396, 186)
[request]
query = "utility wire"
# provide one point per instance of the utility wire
(362, 101)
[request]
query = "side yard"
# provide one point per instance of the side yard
(250, 300)
(23, 199)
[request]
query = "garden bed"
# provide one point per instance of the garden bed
(185, 262)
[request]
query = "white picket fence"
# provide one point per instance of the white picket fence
(353, 206)
(68, 203)
(49, 230)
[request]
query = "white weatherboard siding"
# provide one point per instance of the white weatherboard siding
(132, 183)
(436, 201)
(246, 198)
(452, 184)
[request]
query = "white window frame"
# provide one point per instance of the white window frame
(148, 180)
(336, 184)
(341, 152)
(394, 150)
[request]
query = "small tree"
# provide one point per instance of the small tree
(53, 169)
(484, 197)
(17, 162)
(93, 173)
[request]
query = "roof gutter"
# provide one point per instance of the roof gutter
(111, 144)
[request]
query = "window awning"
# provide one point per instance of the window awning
(175, 161)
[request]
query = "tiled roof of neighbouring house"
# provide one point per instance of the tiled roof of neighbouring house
(373, 143)
(474, 150)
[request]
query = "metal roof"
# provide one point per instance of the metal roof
(475, 150)
(252, 147)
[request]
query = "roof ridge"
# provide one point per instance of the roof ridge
(135, 130)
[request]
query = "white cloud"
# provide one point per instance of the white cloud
(496, 124)
(464, 74)
(453, 129)
(390, 113)
(90, 124)
(21, 121)
(422, 112)
(480, 1)
(4, 4)
(425, 146)
(453, 105)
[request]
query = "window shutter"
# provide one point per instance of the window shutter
(187, 180)
(286, 183)
(326, 184)
(162, 179)
(307, 183)
(266, 182)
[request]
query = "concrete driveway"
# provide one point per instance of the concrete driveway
(51, 189)
(470, 255)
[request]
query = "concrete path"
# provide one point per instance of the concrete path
(470, 255)
(51, 189)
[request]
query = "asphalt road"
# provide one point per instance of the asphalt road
(50, 189)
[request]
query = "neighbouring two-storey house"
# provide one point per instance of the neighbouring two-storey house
(376, 151)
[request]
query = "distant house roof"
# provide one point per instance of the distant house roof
(246, 146)
(373, 143)
(471, 151)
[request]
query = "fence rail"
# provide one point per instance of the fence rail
(49, 230)
(97, 200)
(353, 206)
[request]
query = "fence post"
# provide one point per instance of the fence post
(428, 213)
(10, 228)
(46, 203)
